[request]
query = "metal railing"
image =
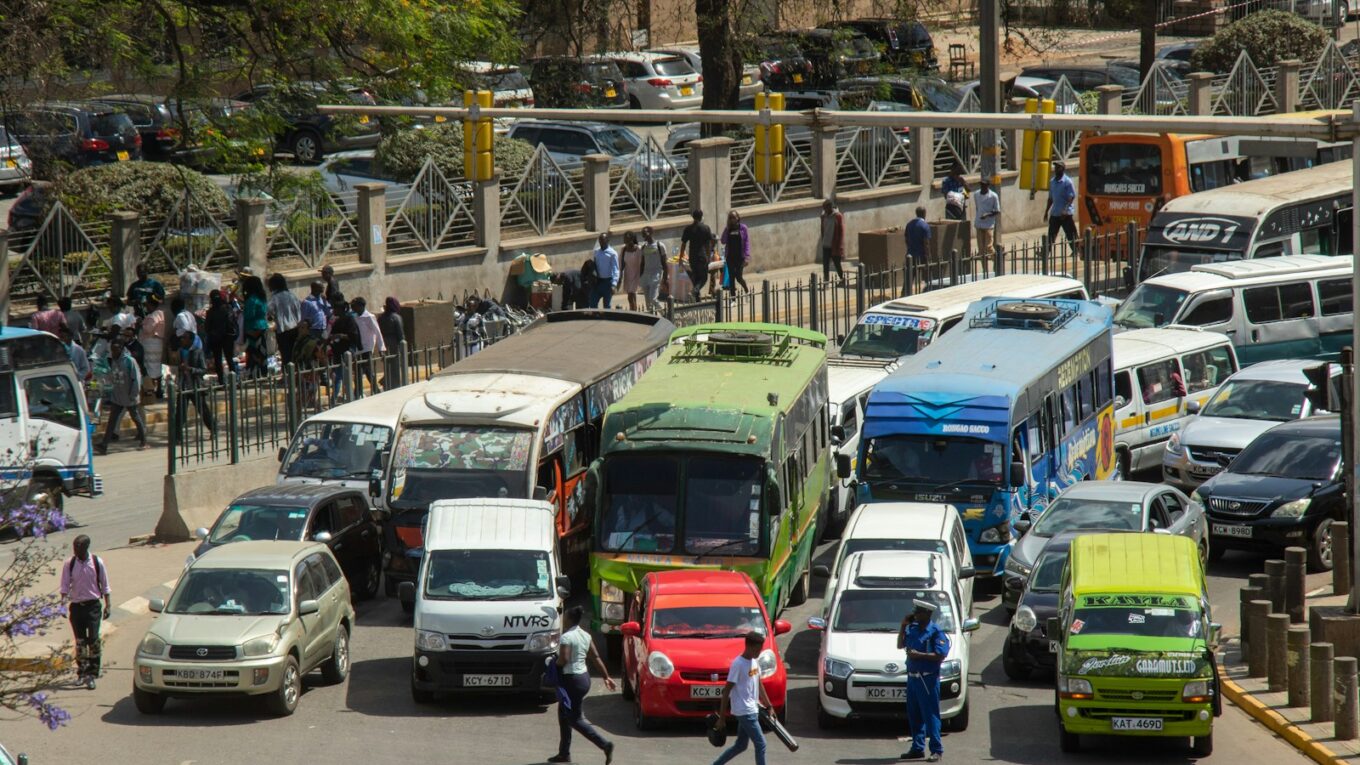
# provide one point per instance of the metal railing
(544, 197)
(61, 256)
(431, 213)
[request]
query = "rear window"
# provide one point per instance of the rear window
(512, 79)
(111, 124)
(601, 70)
(672, 67)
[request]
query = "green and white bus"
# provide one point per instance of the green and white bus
(717, 458)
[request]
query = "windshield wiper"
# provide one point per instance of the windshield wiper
(953, 484)
(722, 546)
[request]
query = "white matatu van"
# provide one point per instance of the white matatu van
(488, 598)
(849, 382)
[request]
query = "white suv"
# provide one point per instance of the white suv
(659, 80)
(861, 673)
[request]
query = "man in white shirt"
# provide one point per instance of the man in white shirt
(370, 340)
(742, 697)
(986, 216)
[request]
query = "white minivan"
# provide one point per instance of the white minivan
(1150, 406)
(849, 382)
(488, 598)
(901, 327)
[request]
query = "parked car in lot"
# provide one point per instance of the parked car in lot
(566, 82)
(159, 122)
(1112, 505)
(925, 93)
(1084, 78)
(683, 631)
(1286, 488)
(568, 142)
(861, 673)
(76, 133)
(247, 619)
(783, 65)
(509, 87)
(308, 134)
(337, 516)
(16, 169)
(902, 43)
(750, 73)
(659, 80)
(834, 54)
(29, 208)
(1018, 87)
(1247, 404)
(154, 118)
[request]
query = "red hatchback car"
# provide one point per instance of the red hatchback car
(684, 630)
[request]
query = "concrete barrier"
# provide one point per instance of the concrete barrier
(195, 498)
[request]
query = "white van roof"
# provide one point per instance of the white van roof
(1140, 346)
(1009, 285)
(494, 398)
(892, 520)
(1240, 273)
(379, 409)
(847, 381)
(1280, 370)
(1257, 198)
(896, 569)
(490, 524)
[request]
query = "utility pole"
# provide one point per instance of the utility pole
(989, 64)
(1352, 394)
(1348, 451)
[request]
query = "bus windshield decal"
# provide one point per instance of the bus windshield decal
(919, 323)
(454, 449)
(1136, 601)
(1211, 231)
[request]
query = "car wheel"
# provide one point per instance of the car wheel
(628, 690)
(1123, 460)
(799, 595)
(1203, 746)
(336, 669)
(1014, 668)
(420, 696)
(633, 103)
(372, 581)
(640, 720)
(1320, 551)
(1068, 742)
(148, 703)
(1344, 9)
(959, 722)
(285, 700)
(46, 493)
(827, 721)
(306, 147)
(1216, 553)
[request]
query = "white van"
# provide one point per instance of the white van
(901, 327)
(1148, 411)
(345, 445)
(488, 598)
(849, 382)
(1290, 307)
(905, 526)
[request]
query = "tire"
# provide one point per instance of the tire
(1203, 746)
(372, 583)
(1068, 742)
(305, 146)
(1014, 668)
(1320, 547)
(799, 595)
(627, 691)
(1023, 311)
(641, 721)
(633, 103)
(826, 721)
(1124, 460)
(1216, 553)
(959, 722)
(336, 668)
(148, 703)
(421, 696)
(284, 701)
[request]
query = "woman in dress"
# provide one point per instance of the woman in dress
(255, 325)
(632, 268)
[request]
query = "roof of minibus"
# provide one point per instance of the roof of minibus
(1160, 564)
(962, 295)
(1237, 273)
(1139, 346)
(576, 346)
(379, 409)
(849, 380)
(492, 398)
(9, 333)
(1256, 198)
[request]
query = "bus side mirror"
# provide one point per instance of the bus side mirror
(406, 592)
(837, 435)
(563, 587)
(630, 629)
(842, 466)
(282, 451)
(1120, 402)
(590, 487)
(1128, 278)
(1053, 628)
(375, 488)
(967, 572)
(1215, 631)
(1017, 473)
(1192, 407)
(821, 571)
(773, 500)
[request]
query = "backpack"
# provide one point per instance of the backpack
(98, 570)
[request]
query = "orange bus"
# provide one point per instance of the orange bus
(1127, 177)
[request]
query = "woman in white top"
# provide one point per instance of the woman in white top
(575, 649)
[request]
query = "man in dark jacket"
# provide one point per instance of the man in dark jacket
(344, 338)
(193, 364)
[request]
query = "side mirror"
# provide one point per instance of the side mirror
(967, 572)
(563, 586)
(1215, 630)
(837, 435)
(842, 466)
(23, 759)
(630, 629)
(821, 572)
(1017, 473)
(375, 488)
(840, 339)
(1128, 277)
(1192, 407)
(308, 607)
(782, 627)
(282, 451)
(155, 605)
(1160, 530)
(200, 533)
(1120, 402)
(971, 625)
(324, 537)
(406, 592)
(816, 623)
(1023, 523)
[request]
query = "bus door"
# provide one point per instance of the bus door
(55, 422)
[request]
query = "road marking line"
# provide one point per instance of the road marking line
(1317, 592)
(137, 605)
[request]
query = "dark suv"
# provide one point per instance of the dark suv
(81, 134)
(308, 134)
(568, 82)
(835, 54)
(783, 66)
(154, 119)
(903, 43)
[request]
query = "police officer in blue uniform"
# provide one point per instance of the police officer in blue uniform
(926, 646)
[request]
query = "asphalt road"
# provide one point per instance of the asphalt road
(372, 716)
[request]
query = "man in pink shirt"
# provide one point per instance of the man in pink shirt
(84, 583)
(47, 318)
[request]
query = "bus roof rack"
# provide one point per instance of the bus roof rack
(1025, 313)
(738, 345)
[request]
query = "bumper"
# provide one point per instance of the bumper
(1095, 718)
(83, 485)
(989, 559)
(848, 700)
(471, 671)
(674, 697)
(1031, 648)
(1185, 473)
(1266, 533)
(248, 677)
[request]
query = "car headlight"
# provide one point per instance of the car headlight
(1025, 620)
(1070, 686)
(1196, 691)
(660, 665)
(836, 668)
(1173, 445)
(610, 593)
(260, 646)
(951, 668)
(544, 641)
(151, 646)
(995, 535)
(1015, 567)
(767, 662)
(431, 641)
(1293, 509)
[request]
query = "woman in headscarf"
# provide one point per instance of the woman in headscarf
(256, 325)
(393, 334)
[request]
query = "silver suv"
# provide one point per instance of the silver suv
(299, 619)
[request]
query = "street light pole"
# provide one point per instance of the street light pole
(989, 85)
(1353, 393)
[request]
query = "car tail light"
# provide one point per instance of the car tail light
(776, 68)
(167, 134)
(660, 82)
(529, 102)
(95, 144)
(137, 140)
(584, 87)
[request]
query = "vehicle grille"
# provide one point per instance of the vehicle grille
(1168, 715)
(488, 643)
(203, 652)
(701, 676)
(1213, 456)
(1239, 508)
(1129, 695)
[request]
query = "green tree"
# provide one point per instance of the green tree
(1269, 37)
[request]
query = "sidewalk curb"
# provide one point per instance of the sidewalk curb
(1276, 722)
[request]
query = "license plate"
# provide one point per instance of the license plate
(440, 118)
(746, 80)
(122, 156)
(487, 681)
(200, 674)
(1224, 530)
(705, 691)
(1052, 646)
(1135, 723)
(610, 93)
(363, 119)
(687, 91)
(1206, 470)
(885, 693)
(798, 78)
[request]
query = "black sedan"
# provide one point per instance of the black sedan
(1286, 488)
(337, 516)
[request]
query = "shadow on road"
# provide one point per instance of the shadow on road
(202, 712)
(381, 688)
(1039, 745)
